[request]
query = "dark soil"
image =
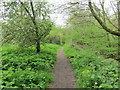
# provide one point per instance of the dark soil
(64, 76)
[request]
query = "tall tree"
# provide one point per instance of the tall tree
(118, 5)
(81, 19)
(109, 30)
(26, 23)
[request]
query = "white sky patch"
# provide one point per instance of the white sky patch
(58, 16)
(60, 19)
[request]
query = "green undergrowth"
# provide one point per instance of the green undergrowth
(91, 70)
(24, 68)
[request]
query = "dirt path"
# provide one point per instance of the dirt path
(64, 76)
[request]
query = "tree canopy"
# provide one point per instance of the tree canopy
(26, 23)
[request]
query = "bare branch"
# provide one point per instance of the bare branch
(32, 10)
(101, 22)
(113, 9)
(26, 9)
(111, 22)
(105, 15)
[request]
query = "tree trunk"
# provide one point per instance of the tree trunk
(104, 19)
(33, 18)
(38, 47)
(118, 4)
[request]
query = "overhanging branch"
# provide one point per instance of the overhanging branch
(101, 22)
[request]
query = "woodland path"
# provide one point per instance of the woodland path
(63, 73)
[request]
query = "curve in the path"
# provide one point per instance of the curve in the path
(64, 76)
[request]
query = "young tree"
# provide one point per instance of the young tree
(26, 23)
(118, 4)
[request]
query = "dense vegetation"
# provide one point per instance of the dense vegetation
(91, 70)
(31, 41)
(28, 25)
(91, 50)
(24, 68)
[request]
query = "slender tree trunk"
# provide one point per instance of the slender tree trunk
(118, 4)
(33, 18)
(38, 47)
(104, 19)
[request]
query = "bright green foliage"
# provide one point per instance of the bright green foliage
(86, 35)
(19, 26)
(83, 30)
(95, 38)
(22, 67)
(57, 35)
(92, 71)
(25, 68)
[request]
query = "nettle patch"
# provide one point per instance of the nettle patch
(25, 68)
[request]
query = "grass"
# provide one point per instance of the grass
(91, 70)
(23, 68)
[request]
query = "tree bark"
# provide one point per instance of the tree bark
(38, 47)
(33, 17)
(117, 33)
(36, 28)
(118, 5)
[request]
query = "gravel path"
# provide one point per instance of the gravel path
(64, 76)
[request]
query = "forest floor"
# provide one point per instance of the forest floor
(63, 72)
